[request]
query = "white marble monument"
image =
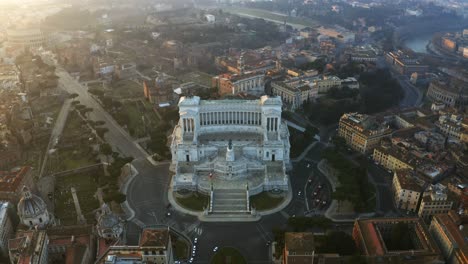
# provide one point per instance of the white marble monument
(230, 144)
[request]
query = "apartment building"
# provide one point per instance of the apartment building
(362, 132)
(434, 201)
(407, 190)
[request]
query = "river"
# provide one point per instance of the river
(418, 42)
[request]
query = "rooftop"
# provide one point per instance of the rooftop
(154, 238)
(10, 180)
(299, 242)
(457, 234)
(374, 231)
(408, 181)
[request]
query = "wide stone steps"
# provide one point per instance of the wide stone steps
(229, 201)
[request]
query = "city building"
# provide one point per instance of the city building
(230, 145)
(248, 83)
(405, 64)
(25, 38)
(32, 210)
(449, 43)
(29, 247)
(299, 248)
(375, 238)
(238, 62)
(350, 82)
(363, 54)
(71, 244)
(6, 229)
(434, 201)
(292, 95)
(155, 246)
(9, 77)
(392, 158)
(12, 182)
(326, 83)
(159, 92)
(450, 125)
(362, 132)
(407, 190)
(450, 234)
(104, 67)
(338, 33)
(450, 93)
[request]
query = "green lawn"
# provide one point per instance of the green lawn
(72, 159)
(126, 89)
(197, 77)
(228, 255)
(299, 21)
(134, 118)
(264, 201)
(195, 201)
(73, 149)
(180, 249)
(85, 186)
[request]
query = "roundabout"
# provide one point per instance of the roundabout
(148, 196)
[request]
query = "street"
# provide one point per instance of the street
(118, 138)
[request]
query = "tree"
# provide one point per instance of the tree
(100, 131)
(116, 197)
(73, 96)
(99, 123)
(85, 111)
(106, 150)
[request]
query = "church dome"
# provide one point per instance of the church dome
(32, 210)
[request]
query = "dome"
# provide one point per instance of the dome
(32, 209)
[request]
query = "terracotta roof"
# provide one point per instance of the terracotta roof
(457, 236)
(10, 180)
(154, 238)
(75, 254)
(299, 242)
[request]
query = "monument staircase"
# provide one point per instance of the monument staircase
(229, 205)
(229, 201)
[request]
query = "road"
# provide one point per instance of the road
(412, 95)
(147, 196)
(116, 136)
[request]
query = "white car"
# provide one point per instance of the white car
(299, 193)
(215, 249)
(195, 240)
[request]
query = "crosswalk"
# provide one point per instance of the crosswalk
(198, 231)
(265, 235)
(194, 228)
